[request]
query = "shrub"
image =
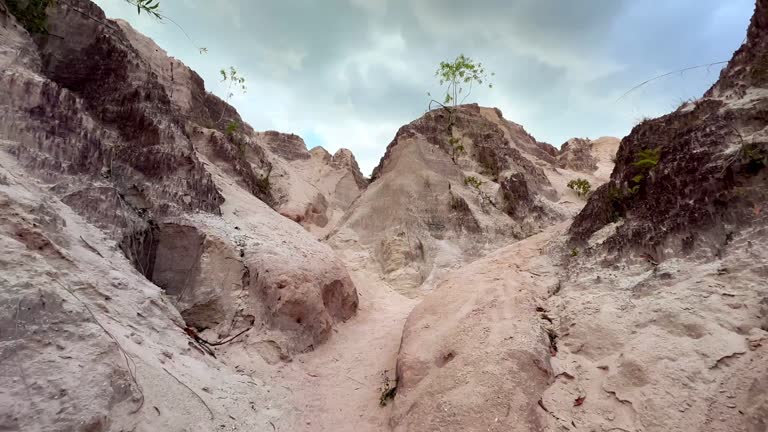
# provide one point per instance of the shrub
(473, 181)
(581, 186)
(232, 127)
(646, 160)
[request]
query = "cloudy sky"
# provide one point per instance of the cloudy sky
(349, 73)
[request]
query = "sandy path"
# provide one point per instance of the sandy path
(337, 386)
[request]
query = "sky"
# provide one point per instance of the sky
(350, 73)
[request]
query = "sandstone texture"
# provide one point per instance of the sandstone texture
(165, 267)
(313, 188)
(647, 313)
(135, 223)
(453, 186)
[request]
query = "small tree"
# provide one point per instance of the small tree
(234, 82)
(461, 72)
(581, 186)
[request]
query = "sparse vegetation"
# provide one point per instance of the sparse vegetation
(581, 186)
(647, 159)
(642, 120)
(574, 252)
(388, 389)
(473, 181)
(461, 72)
(234, 81)
(476, 184)
(457, 148)
(232, 127)
(457, 76)
(33, 17)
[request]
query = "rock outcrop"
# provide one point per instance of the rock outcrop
(646, 313)
(701, 166)
(475, 353)
(452, 187)
(161, 268)
(311, 187)
(96, 118)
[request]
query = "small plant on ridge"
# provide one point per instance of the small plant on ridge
(581, 186)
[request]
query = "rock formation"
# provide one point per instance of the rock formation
(95, 118)
(312, 187)
(453, 186)
(647, 313)
(166, 267)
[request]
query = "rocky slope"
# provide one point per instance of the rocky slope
(99, 128)
(154, 276)
(454, 186)
(313, 188)
(647, 313)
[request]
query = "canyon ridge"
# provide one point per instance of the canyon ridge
(161, 271)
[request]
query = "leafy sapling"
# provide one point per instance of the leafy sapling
(459, 75)
(234, 81)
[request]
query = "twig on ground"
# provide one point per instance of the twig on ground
(222, 342)
(193, 392)
(93, 249)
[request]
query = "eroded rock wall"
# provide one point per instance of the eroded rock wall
(129, 139)
(652, 300)
(453, 186)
